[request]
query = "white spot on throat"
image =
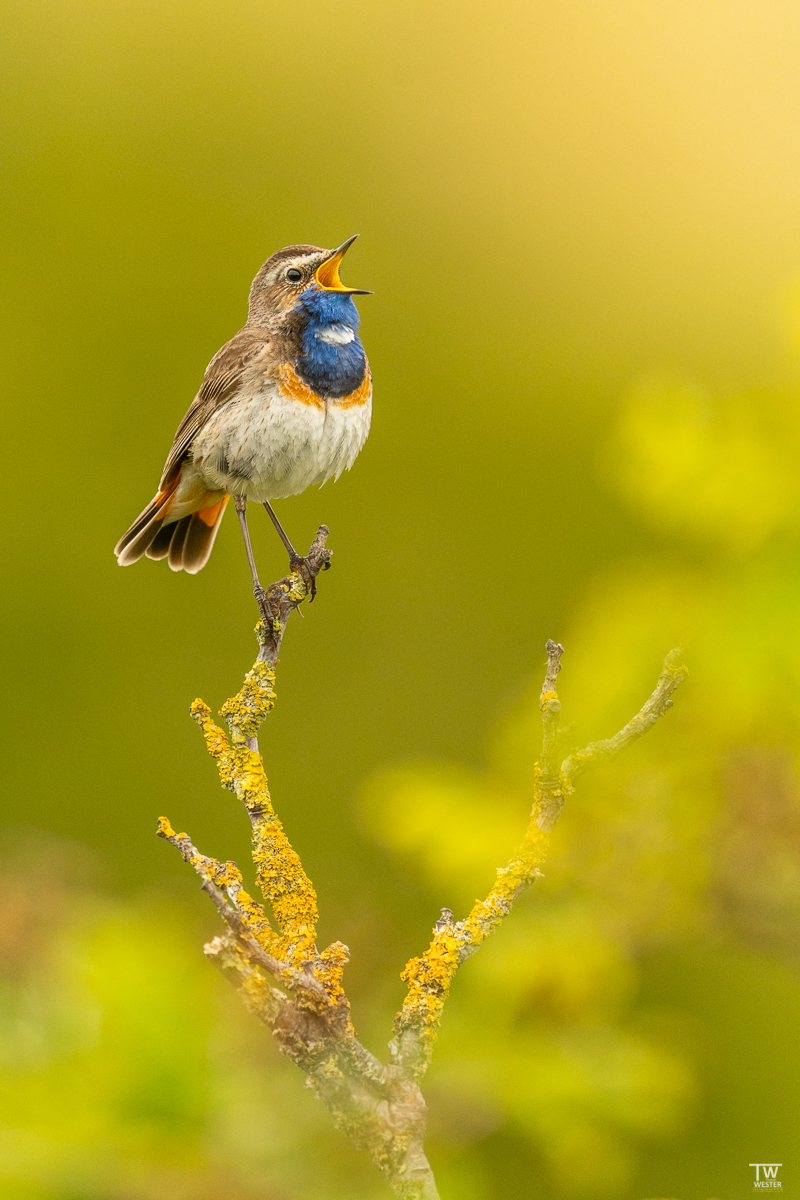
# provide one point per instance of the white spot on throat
(336, 334)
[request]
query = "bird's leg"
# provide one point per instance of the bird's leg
(258, 591)
(296, 561)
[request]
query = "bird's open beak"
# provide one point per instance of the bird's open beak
(327, 273)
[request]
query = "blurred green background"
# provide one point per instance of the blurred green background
(581, 224)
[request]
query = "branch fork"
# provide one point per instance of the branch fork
(268, 950)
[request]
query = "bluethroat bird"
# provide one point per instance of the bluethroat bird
(285, 404)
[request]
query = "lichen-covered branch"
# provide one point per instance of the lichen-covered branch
(268, 948)
(429, 977)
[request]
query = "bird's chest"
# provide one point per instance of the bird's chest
(277, 440)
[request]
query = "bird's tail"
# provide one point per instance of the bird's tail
(133, 544)
(187, 543)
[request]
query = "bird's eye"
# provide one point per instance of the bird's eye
(294, 274)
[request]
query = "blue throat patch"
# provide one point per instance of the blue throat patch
(330, 365)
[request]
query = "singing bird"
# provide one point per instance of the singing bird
(285, 404)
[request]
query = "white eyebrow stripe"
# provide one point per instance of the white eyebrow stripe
(336, 334)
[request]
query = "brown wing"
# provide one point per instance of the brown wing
(222, 378)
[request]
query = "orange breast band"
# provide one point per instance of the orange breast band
(360, 396)
(292, 385)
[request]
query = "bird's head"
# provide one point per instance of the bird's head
(300, 271)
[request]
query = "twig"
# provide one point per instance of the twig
(550, 706)
(283, 597)
(597, 753)
(430, 976)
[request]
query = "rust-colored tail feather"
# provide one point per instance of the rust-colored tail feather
(189, 541)
(200, 536)
(133, 544)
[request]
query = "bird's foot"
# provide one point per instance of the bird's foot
(300, 564)
(262, 600)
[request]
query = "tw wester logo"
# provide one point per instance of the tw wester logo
(766, 1175)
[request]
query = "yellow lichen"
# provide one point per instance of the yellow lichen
(285, 887)
(279, 873)
(227, 878)
(245, 713)
(329, 967)
(165, 830)
(429, 977)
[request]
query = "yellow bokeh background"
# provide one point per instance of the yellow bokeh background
(580, 221)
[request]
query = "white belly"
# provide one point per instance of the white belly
(267, 445)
